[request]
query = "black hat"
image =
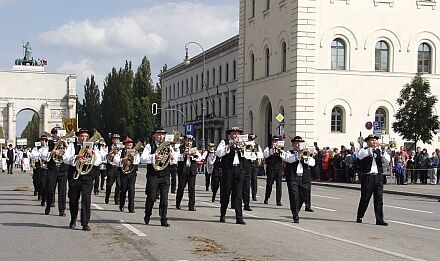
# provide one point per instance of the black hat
(234, 129)
(252, 136)
(42, 137)
(82, 130)
(371, 136)
(297, 139)
(55, 130)
(189, 137)
(115, 136)
(275, 137)
(10, 145)
(158, 130)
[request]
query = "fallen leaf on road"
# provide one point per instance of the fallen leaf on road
(210, 246)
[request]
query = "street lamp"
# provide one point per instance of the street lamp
(186, 61)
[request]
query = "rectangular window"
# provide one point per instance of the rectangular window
(267, 4)
(227, 104)
(197, 82)
(233, 104)
(253, 8)
(234, 70)
(220, 106)
(227, 72)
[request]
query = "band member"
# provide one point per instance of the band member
(188, 173)
(35, 158)
(232, 174)
(252, 155)
(102, 168)
(81, 185)
(157, 180)
(113, 174)
(127, 159)
(10, 156)
(201, 167)
(298, 174)
(213, 168)
(42, 180)
(274, 167)
(173, 168)
(57, 167)
(370, 165)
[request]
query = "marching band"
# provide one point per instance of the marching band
(231, 166)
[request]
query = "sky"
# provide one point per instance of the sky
(91, 36)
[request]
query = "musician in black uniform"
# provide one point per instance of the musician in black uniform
(128, 159)
(56, 172)
(298, 172)
(252, 158)
(42, 178)
(274, 170)
(157, 180)
(370, 165)
(213, 168)
(173, 168)
(81, 185)
(113, 173)
(35, 157)
(232, 174)
(188, 172)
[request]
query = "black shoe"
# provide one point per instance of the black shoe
(178, 206)
(213, 199)
(62, 214)
(102, 188)
(381, 223)
(106, 200)
(42, 203)
(240, 221)
(52, 205)
(131, 211)
(358, 220)
(117, 203)
(232, 207)
(86, 228)
(164, 223)
(266, 201)
(47, 211)
(35, 193)
(191, 209)
(247, 208)
(96, 193)
(295, 219)
(146, 220)
(72, 224)
(121, 209)
(222, 219)
(173, 192)
(279, 204)
(254, 198)
(309, 210)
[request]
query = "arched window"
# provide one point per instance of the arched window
(283, 57)
(220, 74)
(227, 72)
(381, 116)
(253, 8)
(338, 54)
(267, 62)
(252, 69)
(337, 119)
(382, 57)
(424, 58)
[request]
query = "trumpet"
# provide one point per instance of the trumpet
(127, 165)
(278, 147)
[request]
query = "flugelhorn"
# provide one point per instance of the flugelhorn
(127, 165)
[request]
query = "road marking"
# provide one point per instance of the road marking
(327, 209)
(97, 206)
(410, 209)
(362, 245)
(414, 225)
(319, 196)
(132, 229)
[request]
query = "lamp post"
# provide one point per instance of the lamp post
(186, 61)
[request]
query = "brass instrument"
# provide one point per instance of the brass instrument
(113, 152)
(88, 159)
(279, 147)
(127, 165)
(60, 148)
(193, 153)
(165, 151)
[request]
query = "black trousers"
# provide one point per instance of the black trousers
(35, 178)
(56, 178)
(293, 190)
(42, 179)
(371, 184)
(304, 193)
(247, 186)
(128, 182)
(81, 187)
(10, 164)
(113, 175)
(187, 178)
(103, 173)
(232, 179)
(207, 180)
(157, 183)
(173, 169)
(274, 175)
(254, 183)
(96, 173)
(215, 182)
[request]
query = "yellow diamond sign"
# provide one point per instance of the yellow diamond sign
(280, 117)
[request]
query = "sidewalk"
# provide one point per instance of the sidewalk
(418, 190)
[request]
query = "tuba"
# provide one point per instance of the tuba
(58, 158)
(84, 168)
(127, 165)
(165, 151)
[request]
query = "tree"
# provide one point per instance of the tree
(80, 112)
(91, 106)
(31, 131)
(414, 119)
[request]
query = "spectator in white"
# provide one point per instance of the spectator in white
(432, 168)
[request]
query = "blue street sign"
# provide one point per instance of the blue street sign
(189, 128)
(377, 125)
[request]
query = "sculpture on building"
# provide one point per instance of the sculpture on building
(28, 59)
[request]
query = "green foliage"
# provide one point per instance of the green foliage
(91, 107)
(31, 131)
(415, 119)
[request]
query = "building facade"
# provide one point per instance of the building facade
(331, 66)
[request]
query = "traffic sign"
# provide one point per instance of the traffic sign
(189, 128)
(377, 125)
(368, 125)
(2, 141)
(280, 117)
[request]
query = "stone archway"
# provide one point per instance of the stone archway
(51, 96)
(265, 121)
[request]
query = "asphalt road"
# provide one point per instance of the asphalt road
(329, 233)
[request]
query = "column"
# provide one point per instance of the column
(11, 136)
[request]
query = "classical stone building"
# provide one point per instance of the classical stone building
(328, 66)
